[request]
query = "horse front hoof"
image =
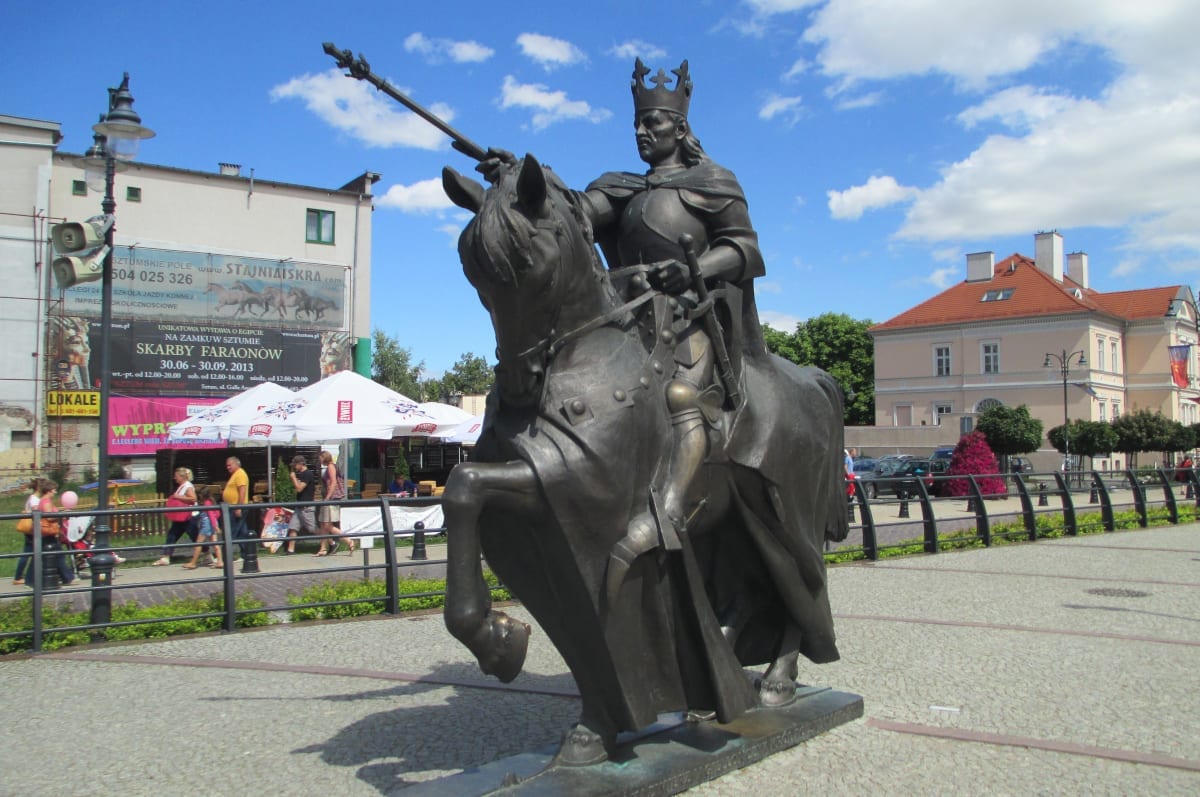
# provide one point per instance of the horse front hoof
(776, 694)
(509, 641)
(581, 748)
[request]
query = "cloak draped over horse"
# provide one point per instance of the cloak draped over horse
(572, 452)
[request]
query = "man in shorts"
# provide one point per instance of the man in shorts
(304, 518)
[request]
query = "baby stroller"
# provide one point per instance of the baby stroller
(78, 538)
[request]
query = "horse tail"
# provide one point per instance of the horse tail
(837, 526)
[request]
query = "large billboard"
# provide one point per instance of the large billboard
(195, 324)
(139, 426)
(167, 285)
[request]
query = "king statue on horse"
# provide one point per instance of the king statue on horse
(650, 483)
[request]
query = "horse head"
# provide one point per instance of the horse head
(529, 254)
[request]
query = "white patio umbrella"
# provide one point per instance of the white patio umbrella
(466, 432)
(214, 422)
(345, 406)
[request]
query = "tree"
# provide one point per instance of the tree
(1180, 437)
(972, 456)
(1088, 438)
(391, 366)
(1139, 431)
(840, 345)
(470, 376)
(1010, 430)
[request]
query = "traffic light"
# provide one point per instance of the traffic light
(86, 239)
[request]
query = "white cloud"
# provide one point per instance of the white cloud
(356, 108)
(548, 51)
(1131, 159)
(776, 105)
(942, 278)
(437, 50)
(877, 192)
(1019, 108)
(425, 196)
(780, 322)
(636, 48)
(767, 286)
(868, 100)
(1125, 157)
(452, 232)
(548, 106)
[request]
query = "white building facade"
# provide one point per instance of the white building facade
(220, 281)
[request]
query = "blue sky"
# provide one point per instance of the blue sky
(878, 143)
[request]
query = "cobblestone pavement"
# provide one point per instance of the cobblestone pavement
(1065, 667)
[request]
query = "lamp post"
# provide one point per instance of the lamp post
(1064, 361)
(118, 134)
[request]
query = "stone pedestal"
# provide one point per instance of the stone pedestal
(665, 758)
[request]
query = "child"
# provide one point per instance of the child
(209, 524)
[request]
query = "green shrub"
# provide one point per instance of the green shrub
(370, 597)
(155, 622)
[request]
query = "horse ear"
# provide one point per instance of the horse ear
(531, 185)
(464, 192)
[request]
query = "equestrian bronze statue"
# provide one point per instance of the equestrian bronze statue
(650, 483)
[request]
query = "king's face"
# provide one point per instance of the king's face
(657, 135)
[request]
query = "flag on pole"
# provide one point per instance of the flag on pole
(1086, 388)
(1179, 363)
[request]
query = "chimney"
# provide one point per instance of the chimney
(1077, 268)
(231, 169)
(981, 266)
(1048, 254)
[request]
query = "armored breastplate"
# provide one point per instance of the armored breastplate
(650, 227)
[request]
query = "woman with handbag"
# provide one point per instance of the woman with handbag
(333, 486)
(50, 531)
(182, 521)
(25, 525)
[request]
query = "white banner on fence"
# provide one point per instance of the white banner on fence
(369, 521)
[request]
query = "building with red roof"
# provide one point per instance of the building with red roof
(1001, 336)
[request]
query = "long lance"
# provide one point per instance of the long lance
(711, 325)
(359, 68)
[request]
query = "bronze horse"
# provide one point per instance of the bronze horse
(571, 456)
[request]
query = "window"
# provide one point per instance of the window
(986, 404)
(997, 296)
(319, 227)
(938, 411)
(1116, 365)
(1103, 412)
(22, 438)
(1116, 410)
(133, 194)
(991, 358)
(79, 188)
(1099, 353)
(941, 360)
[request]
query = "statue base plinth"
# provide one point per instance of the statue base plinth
(665, 758)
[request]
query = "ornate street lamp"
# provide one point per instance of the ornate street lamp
(117, 137)
(1064, 361)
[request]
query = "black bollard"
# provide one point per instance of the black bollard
(1093, 498)
(1190, 492)
(418, 551)
(50, 554)
(1043, 499)
(250, 543)
(903, 504)
(102, 564)
(971, 505)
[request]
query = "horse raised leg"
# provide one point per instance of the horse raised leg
(498, 642)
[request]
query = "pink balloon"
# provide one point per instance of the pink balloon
(68, 499)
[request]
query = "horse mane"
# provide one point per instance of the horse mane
(499, 239)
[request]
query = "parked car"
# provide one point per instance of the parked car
(1019, 465)
(883, 469)
(864, 465)
(904, 481)
(943, 453)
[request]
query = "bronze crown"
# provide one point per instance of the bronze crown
(660, 97)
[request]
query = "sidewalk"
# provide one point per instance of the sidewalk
(1063, 667)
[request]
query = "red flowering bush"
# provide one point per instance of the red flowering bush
(974, 456)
